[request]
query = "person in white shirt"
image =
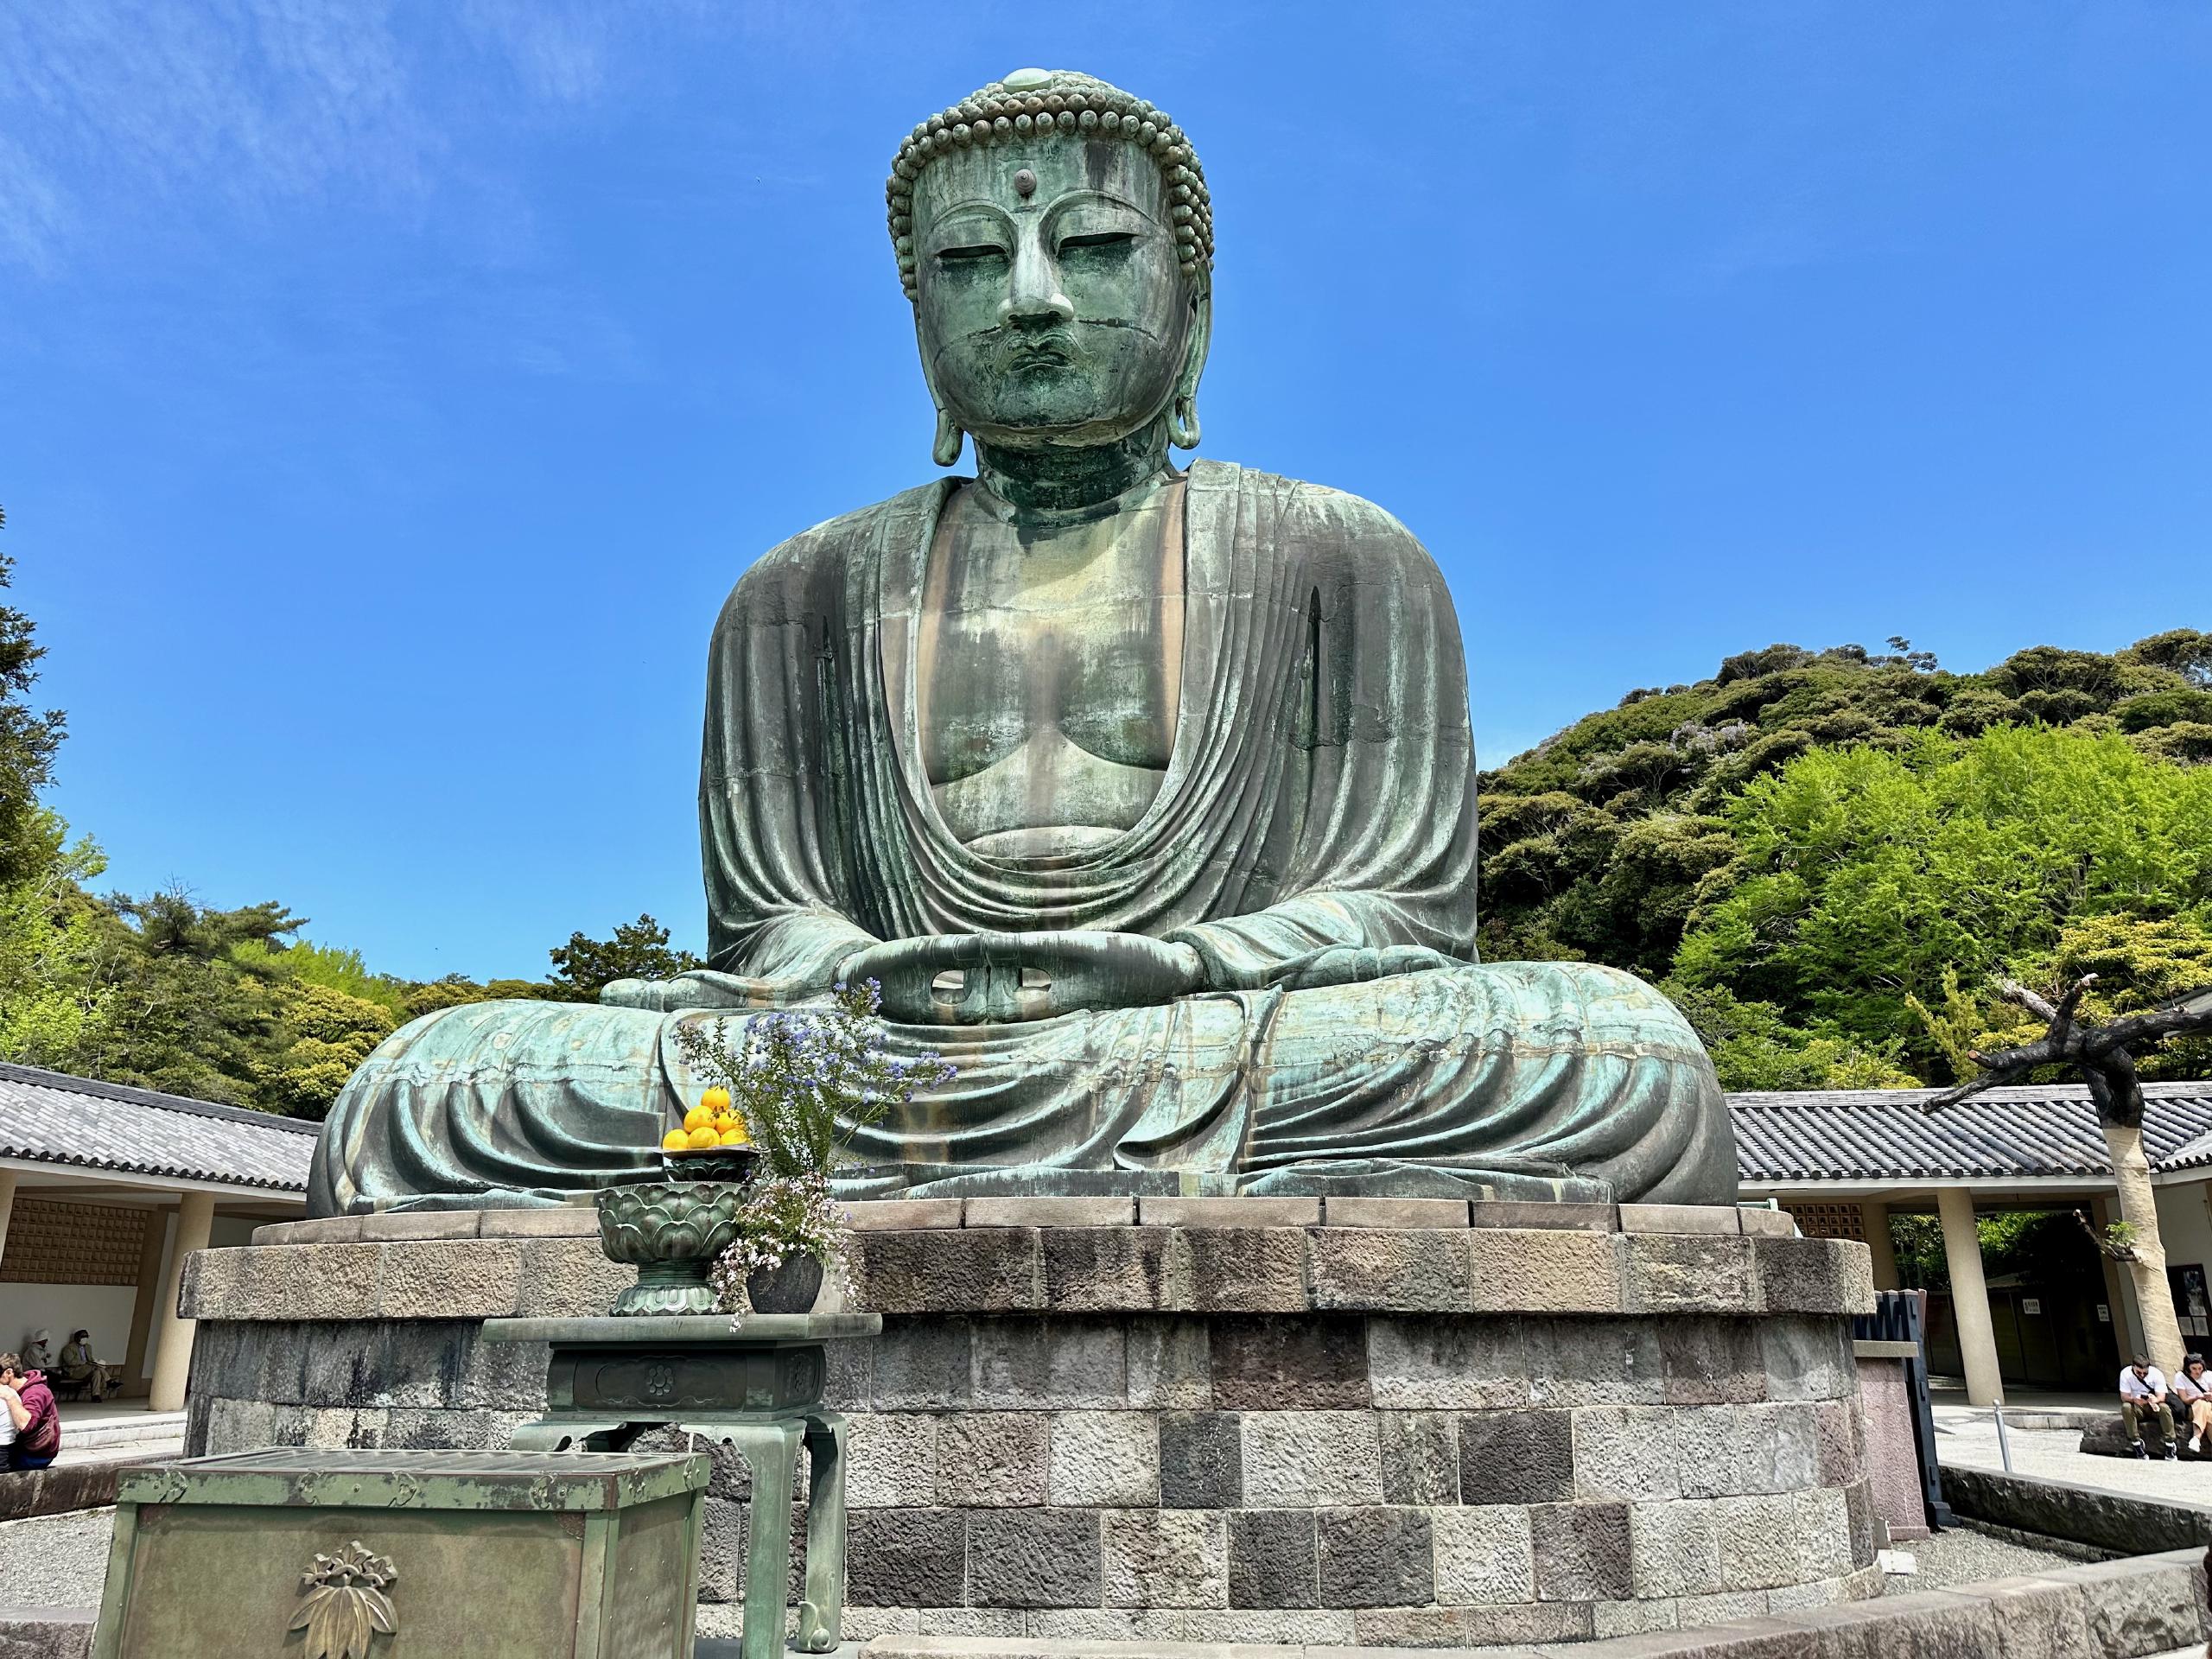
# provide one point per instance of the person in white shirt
(2192, 1387)
(2143, 1396)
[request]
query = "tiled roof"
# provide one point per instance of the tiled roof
(51, 1118)
(2026, 1132)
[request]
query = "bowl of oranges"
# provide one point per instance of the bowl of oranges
(673, 1220)
(713, 1143)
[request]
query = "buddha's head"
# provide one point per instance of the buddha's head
(1056, 238)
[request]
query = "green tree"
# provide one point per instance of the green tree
(55, 1001)
(187, 1015)
(29, 739)
(639, 950)
(1868, 875)
(323, 1034)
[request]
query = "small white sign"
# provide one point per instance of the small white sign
(2104, 1312)
(2029, 1305)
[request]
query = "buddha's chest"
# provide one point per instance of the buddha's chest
(1049, 669)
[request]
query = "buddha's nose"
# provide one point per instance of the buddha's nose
(1033, 297)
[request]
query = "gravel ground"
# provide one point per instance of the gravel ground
(1967, 1554)
(55, 1561)
(1971, 1442)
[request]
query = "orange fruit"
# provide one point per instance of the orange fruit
(716, 1100)
(676, 1140)
(702, 1138)
(734, 1138)
(697, 1118)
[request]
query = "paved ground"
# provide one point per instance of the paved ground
(55, 1560)
(1968, 1438)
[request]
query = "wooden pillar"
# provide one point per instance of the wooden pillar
(1874, 1221)
(196, 1217)
(1970, 1297)
(149, 1295)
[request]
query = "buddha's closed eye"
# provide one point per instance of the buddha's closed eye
(1098, 241)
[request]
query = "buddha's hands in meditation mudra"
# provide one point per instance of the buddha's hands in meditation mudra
(996, 978)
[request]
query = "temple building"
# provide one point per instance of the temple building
(1844, 1163)
(103, 1191)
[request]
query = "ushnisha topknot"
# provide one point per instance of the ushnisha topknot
(1046, 100)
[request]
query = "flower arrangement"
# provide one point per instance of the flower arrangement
(799, 1083)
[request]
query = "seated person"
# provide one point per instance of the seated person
(2193, 1389)
(80, 1372)
(2143, 1396)
(34, 1419)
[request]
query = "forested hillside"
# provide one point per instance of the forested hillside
(1828, 858)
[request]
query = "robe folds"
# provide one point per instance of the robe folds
(1320, 794)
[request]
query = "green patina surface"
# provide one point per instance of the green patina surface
(418, 1480)
(1146, 795)
(755, 1386)
(406, 1556)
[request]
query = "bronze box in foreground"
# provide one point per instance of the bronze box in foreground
(343, 1555)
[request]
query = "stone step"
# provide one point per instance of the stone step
(137, 1430)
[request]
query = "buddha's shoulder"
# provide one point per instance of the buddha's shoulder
(1325, 524)
(799, 568)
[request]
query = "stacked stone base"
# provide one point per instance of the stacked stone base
(1239, 1423)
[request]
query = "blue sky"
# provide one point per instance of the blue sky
(389, 394)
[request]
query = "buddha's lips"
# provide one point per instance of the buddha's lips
(1049, 352)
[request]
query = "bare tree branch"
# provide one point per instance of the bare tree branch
(2006, 1065)
(2191, 1011)
(2012, 991)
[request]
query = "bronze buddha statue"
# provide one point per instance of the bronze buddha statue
(1146, 795)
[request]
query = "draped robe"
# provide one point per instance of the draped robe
(1319, 795)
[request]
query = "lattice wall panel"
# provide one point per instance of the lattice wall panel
(53, 1243)
(1829, 1220)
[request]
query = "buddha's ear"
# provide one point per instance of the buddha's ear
(1183, 407)
(945, 449)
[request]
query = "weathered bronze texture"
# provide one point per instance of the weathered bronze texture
(672, 1231)
(755, 1385)
(1146, 795)
(504, 1555)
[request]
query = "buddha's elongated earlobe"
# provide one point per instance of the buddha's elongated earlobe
(1183, 422)
(1183, 407)
(950, 438)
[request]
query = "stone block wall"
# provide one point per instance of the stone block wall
(1302, 1433)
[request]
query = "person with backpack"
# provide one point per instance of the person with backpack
(35, 1421)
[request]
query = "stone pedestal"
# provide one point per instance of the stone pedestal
(1194, 1420)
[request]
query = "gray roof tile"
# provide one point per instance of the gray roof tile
(50, 1117)
(2026, 1132)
